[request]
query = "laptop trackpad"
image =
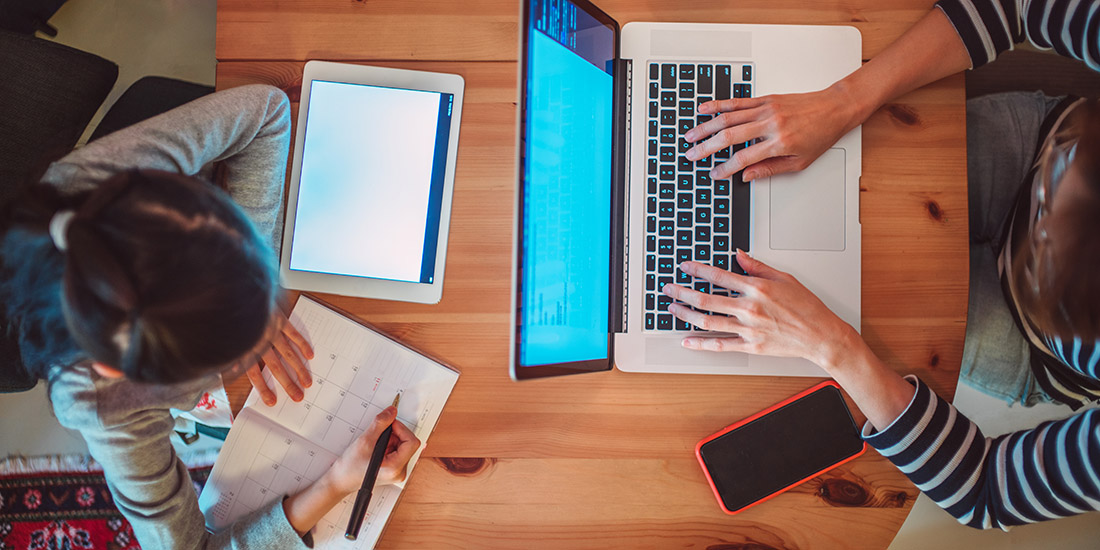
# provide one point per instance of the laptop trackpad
(807, 208)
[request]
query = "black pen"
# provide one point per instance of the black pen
(359, 511)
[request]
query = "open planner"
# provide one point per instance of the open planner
(275, 451)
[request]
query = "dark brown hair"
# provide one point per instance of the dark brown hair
(163, 277)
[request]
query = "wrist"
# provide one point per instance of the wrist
(842, 348)
(329, 484)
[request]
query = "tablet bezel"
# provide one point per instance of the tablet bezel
(367, 287)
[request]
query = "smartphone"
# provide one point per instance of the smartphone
(780, 447)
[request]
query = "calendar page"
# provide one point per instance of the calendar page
(276, 451)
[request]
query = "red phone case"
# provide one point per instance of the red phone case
(731, 427)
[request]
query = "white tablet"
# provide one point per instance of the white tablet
(369, 202)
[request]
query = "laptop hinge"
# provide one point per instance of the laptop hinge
(620, 175)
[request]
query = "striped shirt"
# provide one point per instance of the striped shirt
(1053, 470)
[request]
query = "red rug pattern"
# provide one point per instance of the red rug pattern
(65, 511)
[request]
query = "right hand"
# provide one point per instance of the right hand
(790, 130)
(347, 472)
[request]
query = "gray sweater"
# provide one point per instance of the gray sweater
(127, 425)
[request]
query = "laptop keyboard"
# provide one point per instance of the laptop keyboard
(688, 216)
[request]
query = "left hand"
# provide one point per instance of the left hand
(774, 314)
(285, 350)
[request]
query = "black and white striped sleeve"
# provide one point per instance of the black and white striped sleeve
(989, 27)
(1048, 472)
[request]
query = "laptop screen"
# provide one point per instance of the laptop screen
(566, 193)
(371, 186)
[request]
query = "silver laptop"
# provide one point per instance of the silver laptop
(607, 205)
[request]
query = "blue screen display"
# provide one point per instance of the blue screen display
(567, 197)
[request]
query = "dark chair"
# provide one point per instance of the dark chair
(50, 92)
(146, 98)
(1025, 70)
(27, 16)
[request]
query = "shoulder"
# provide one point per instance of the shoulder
(83, 400)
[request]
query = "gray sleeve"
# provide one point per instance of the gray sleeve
(149, 484)
(247, 127)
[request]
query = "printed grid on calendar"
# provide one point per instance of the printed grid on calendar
(279, 450)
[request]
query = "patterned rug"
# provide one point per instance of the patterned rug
(65, 511)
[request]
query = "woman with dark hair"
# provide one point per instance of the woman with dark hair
(1033, 327)
(134, 286)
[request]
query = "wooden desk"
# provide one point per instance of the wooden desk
(606, 460)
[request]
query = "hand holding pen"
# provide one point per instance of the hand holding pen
(348, 471)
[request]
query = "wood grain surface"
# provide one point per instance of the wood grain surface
(606, 460)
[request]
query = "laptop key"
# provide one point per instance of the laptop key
(721, 243)
(683, 238)
(666, 228)
(668, 117)
(668, 99)
(702, 286)
(687, 109)
(652, 148)
(651, 262)
(702, 215)
(651, 187)
(668, 154)
(668, 75)
(682, 325)
(702, 234)
(721, 206)
(684, 182)
(668, 191)
(722, 82)
(654, 90)
(668, 172)
(652, 167)
(706, 79)
(650, 243)
(650, 302)
(687, 71)
(684, 145)
(702, 253)
(684, 200)
(721, 225)
(687, 89)
(702, 179)
(650, 281)
(665, 265)
(746, 72)
(722, 188)
(721, 261)
(684, 165)
(663, 301)
(668, 135)
(663, 280)
(683, 219)
(664, 246)
(683, 255)
(650, 321)
(651, 224)
(702, 196)
(685, 124)
(653, 128)
(654, 71)
(651, 205)
(664, 321)
(653, 109)
(667, 209)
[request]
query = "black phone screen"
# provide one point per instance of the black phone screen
(781, 448)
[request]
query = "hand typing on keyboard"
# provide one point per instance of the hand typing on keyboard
(790, 131)
(772, 314)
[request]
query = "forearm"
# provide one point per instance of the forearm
(304, 509)
(930, 50)
(877, 390)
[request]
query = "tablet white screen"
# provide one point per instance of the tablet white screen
(371, 181)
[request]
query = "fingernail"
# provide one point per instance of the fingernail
(308, 382)
(690, 154)
(687, 342)
(690, 136)
(269, 400)
(748, 176)
(297, 395)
